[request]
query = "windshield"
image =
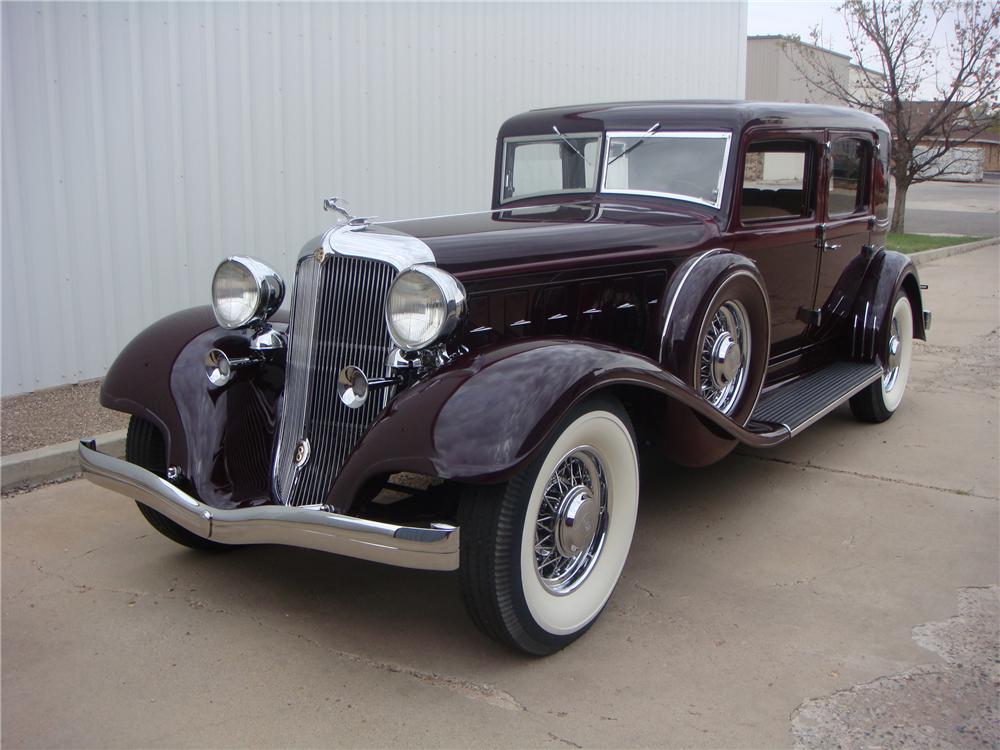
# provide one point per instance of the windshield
(688, 166)
(548, 165)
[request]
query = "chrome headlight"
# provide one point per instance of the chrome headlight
(424, 305)
(245, 292)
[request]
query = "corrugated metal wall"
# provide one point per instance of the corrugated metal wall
(143, 142)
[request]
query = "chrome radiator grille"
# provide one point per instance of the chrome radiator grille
(336, 321)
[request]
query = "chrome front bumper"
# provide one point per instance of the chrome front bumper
(405, 546)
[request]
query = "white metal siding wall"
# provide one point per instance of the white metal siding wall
(143, 142)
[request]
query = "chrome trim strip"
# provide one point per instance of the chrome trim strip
(834, 404)
(408, 547)
(298, 374)
(677, 293)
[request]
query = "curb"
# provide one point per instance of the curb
(927, 256)
(53, 462)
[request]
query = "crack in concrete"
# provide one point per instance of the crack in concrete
(862, 475)
(563, 740)
(644, 590)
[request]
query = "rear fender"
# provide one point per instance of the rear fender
(481, 418)
(888, 273)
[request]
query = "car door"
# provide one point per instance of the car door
(775, 223)
(847, 214)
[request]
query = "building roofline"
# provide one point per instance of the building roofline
(793, 40)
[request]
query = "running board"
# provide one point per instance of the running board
(802, 402)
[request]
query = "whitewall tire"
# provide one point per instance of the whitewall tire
(542, 553)
(881, 399)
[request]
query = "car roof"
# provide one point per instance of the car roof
(694, 114)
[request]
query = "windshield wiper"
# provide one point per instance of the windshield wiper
(569, 143)
(637, 143)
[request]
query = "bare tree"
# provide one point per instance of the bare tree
(899, 36)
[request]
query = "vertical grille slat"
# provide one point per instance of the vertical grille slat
(336, 321)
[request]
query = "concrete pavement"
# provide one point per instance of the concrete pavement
(759, 595)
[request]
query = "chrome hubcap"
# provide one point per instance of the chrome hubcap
(725, 356)
(892, 361)
(572, 521)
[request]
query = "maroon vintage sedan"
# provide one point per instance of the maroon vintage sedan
(469, 392)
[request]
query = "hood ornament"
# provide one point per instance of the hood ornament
(352, 223)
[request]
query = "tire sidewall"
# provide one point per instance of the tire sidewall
(550, 619)
(902, 311)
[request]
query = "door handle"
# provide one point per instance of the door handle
(829, 247)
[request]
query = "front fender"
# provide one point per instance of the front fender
(482, 417)
(138, 381)
(220, 438)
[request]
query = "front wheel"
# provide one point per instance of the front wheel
(879, 401)
(542, 553)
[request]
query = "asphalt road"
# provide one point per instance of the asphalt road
(965, 208)
(778, 597)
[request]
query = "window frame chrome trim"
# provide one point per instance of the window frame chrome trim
(727, 135)
(598, 167)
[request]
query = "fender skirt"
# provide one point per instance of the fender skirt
(481, 417)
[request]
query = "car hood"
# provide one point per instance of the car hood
(491, 241)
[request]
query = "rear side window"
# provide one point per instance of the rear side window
(848, 176)
(776, 181)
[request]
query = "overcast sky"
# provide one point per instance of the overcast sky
(798, 17)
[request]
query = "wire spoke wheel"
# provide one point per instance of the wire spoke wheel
(572, 521)
(724, 360)
(543, 552)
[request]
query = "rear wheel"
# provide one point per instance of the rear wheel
(542, 553)
(144, 447)
(879, 401)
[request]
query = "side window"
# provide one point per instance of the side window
(776, 181)
(848, 176)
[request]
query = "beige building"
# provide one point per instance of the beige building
(774, 65)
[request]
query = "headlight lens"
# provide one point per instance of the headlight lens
(424, 306)
(245, 292)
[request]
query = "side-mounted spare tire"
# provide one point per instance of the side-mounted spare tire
(728, 362)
